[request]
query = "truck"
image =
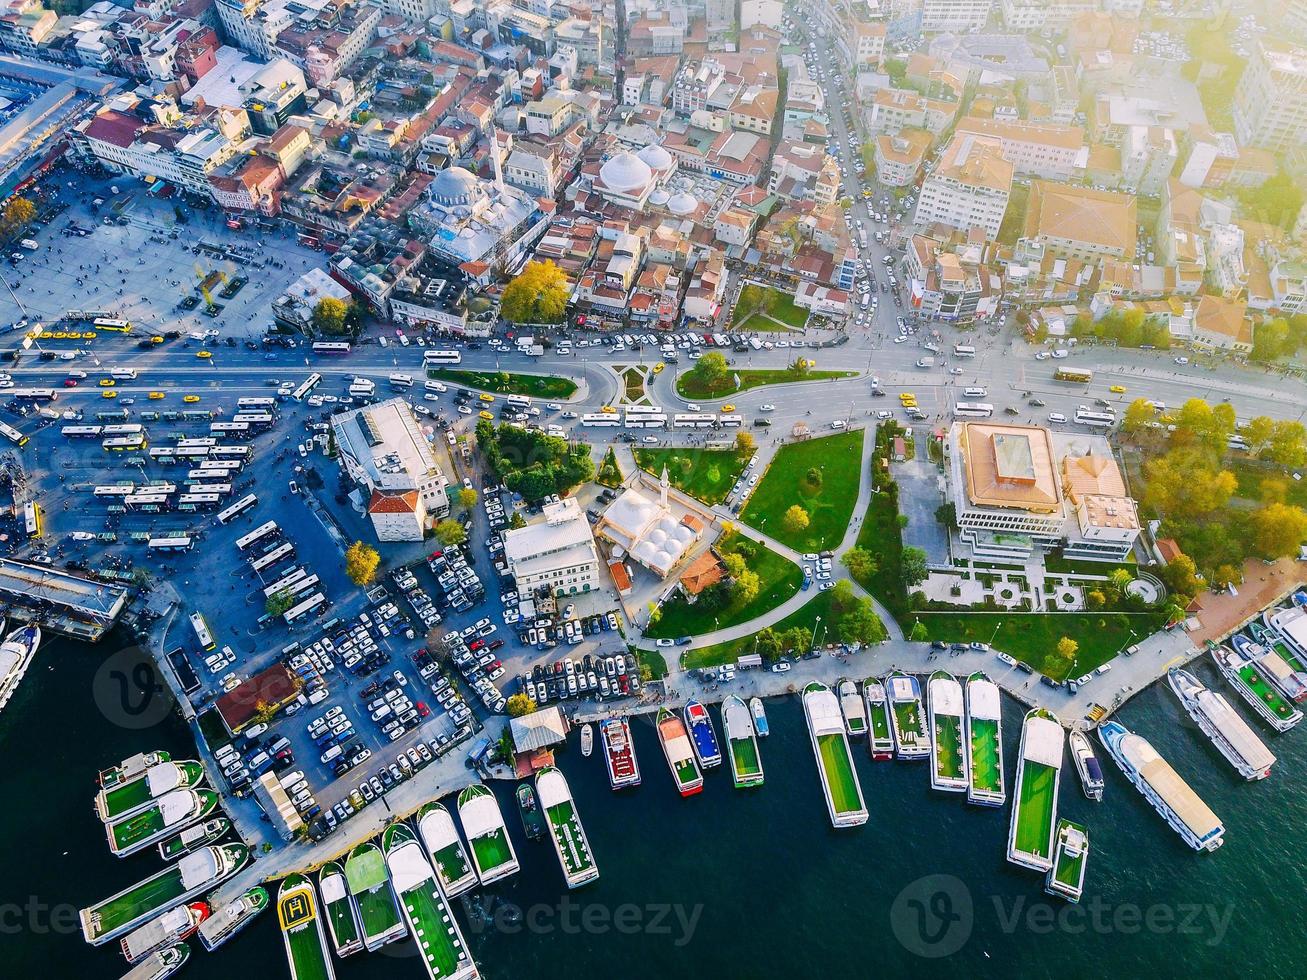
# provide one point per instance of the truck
(925, 362)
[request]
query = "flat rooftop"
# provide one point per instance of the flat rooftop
(41, 583)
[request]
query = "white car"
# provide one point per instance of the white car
(1059, 354)
(766, 408)
(464, 410)
(882, 415)
(651, 440)
(900, 339)
(1042, 355)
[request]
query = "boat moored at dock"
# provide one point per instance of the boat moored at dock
(830, 747)
(986, 783)
(135, 795)
(948, 759)
(174, 926)
(445, 850)
(703, 737)
(1034, 809)
(1231, 735)
(910, 738)
(130, 768)
(759, 717)
(1066, 879)
(619, 753)
(880, 737)
(301, 930)
(192, 837)
(570, 842)
(587, 739)
(855, 712)
(483, 824)
(1289, 627)
(1087, 767)
(741, 743)
(231, 918)
(1163, 787)
(160, 965)
(16, 655)
(1251, 683)
(1290, 682)
(167, 815)
(533, 823)
(339, 911)
(431, 921)
(680, 757)
(369, 887)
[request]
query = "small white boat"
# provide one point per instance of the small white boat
(587, 739)
(1091, 776)
(759, 717)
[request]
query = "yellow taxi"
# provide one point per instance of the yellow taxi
(60, 335)
(108, 394)
(1117, 389)
(156, 340)
(155, 395)
(728, 408)
(486, 398)
(907, 396)
(203, 355)
(74, 335)
(107, 382)
(608, 410)
(657, 368)
(486, 415)
(191, 399)
(89, 335)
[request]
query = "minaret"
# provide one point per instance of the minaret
(494, 155)
(663, 484)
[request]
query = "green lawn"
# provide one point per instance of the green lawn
(728, 652)
(829, 502)
(1035, 822)
(688, 384)
(505, 383)
(839, 773)
(633, 384)
(705, 474)
(984, 755)
(948, 751)
(655, 660)
(779, 579)
(491, 850)
(773, 302)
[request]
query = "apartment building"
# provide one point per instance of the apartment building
(969, 188)
(1049, 151)
(1270, 101)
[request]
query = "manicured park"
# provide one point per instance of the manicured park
(689, 385)
(509, 383)
(705, 474)
(818, 608)
(818, 475)
(765, 308)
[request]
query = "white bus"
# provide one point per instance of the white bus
(119, 444)
(401, 382)
(34, 394)
(146, 499)
(442, 357)
(307, 385)
(282, 551)
(201, 441)
(301, 585)
(332, 347)
(230, 452)
(257, 535)
(600, 418)
(82, 431)
(202, 632)
(241, 430)
(226, 465)
(32, 519)
(643, 410)
(255, 420)
(1095, 420)
(13, 435)
(312, 604)
(169, 544)
(219, 489)
(158, 486)
(129, 429)
(731, 421)
(973, 410)
(115, 490)
(123, 374)
(257, 404)
(198, 500)
(645, 421)
(963, 350)
(696, 420)
(520, 402)
(294, 575)
(362, 388)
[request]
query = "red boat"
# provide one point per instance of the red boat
(619, 751)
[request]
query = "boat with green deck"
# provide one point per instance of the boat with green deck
(830, 747)
(675, 741)
(1066, 878)
(369, 886)
(160, 965)
(483, 825)
(131, 768)
(445, 850)
(193, 874)
(948, 759)
(1250, 681)
(570, 842)
(741, 743)
(430, 919)
(232, 917)
(984, 742)
(881, 733)
(1034, 812)
(125, 798)
(339, 910)
(167, 815)
(1272, 640)
(301, 930)
(911, 740)
(192, 837)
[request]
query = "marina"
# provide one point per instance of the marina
(192, 837)
(703, 737)
(174, 926)
(830, 748)
(338, 909)
(619, 753)
(168, 814)
(1231, 735)
(1066, 879)
(759, 717)
(676, 749)
(133, 795)
(435, 932)
(948, 759)
(880, 740)
(445, 850)
(483, 825)
(1272, 638)
(1163, 787)
(570, 842)
(231, 918)
(160, 965)
(301, 930)
(16, 654)
(1087, 767)
(986, 783)
(1288, 627)
(1034, 809)
(369, 888)
(1248, 680)
(742, 743)
(855, 712)
(528, 807)
(910, 738)
(193, 874)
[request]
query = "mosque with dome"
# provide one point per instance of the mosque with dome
(635, 179)
(648, 531)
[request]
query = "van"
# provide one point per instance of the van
(381, 713)
(259, 759)
(280, 745)
(975, 392)
(1056, 417)
(291, 778)
(332, 753)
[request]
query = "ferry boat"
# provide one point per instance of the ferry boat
(301, 930)
(130, 768)
(1289, 627)
(948, 759)
(192, 837)
(855, 714)
(232, 918)
(430, 919)
(445, 850)
(1291, 683)
(168, 814)
(619, 752)
(135, 795)
(759, 717)
(174, 926)
(680, 757)
(741, 743)
(1162, 786)
(984, 742)
(1034, 811)
(1087, 767)
(160, 965)
(1231, 735)
(570, 842)
(369, 887)
(1273, 640)
(1066, 879)
(881, 739)
(16, 655)
(193, 874)
(483, 824)
(830, 746)
(1251, 684)
(338, 908)
(587, 739)
(533, 824)
(910, 738)
(703, 737)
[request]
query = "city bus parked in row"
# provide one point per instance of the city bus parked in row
(179, 543)
(256, 404)
(442, 357)
(112, 324)
(332, 347)
(280, 553)
(600, 419)
(247, 541)
(202, 632)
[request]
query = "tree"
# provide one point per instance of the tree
(861, 624)
(361, 561)
(798, 638)
(919, 633)
(796, 519)
(745, 444)
(842, 597)
(1224, 576)
(913, 565)
(519, 705)
(1120, 579)
(279, 602)
(745, 588)
(1258, 432)
(17, 215)
(1064, 656)
(768, 644)
(329, 316)
(710, 370)
(1137, 416)
(610, 474)
(734, 564)
(801, 367)
(1181, 577)
(1271, 340)
(467, 498)
(860, 562)
(1278, 530)
(538, 294)
(450, 532)
(517, 521)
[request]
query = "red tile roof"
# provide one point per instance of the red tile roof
(393, 503)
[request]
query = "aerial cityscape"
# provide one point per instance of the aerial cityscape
(541, 413)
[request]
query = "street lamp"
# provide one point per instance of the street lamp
(995, 633)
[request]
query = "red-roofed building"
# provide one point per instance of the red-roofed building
(265, 692)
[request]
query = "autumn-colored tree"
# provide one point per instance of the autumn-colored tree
(518, 705)
(329, 316)
(1278, 530)
(745, 587)
(796, 519)
(1137, 416)
(538, 294)
(467, 498)
(450, 532)
(745, 444)
(361, 561)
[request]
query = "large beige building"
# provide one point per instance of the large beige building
(557, 555)
(1270, 101)
(1035, 150)
(970, 187)
(1078, 223)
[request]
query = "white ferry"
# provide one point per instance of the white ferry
(1034, 810)
(445, 850)
(855, 712)
(830, 746)
(948, 759)
(160, 965)
(1231, 735)
(1249, 680)
(911, 739)
(483, 824)
(16, 655)
(984, 742)
(1162, 786)
(232, 918)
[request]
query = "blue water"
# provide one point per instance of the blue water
(730, 883)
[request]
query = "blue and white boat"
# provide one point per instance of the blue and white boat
(759, 717)
(702, 736)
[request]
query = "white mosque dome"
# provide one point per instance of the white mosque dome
(683, 534)
(682, 203)
(668, 526)
(645, 552)
(674, 548)
(453, 187)
(657, 157)
(625, 172)
(659, 197)
(662, 560)
(658, 536)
